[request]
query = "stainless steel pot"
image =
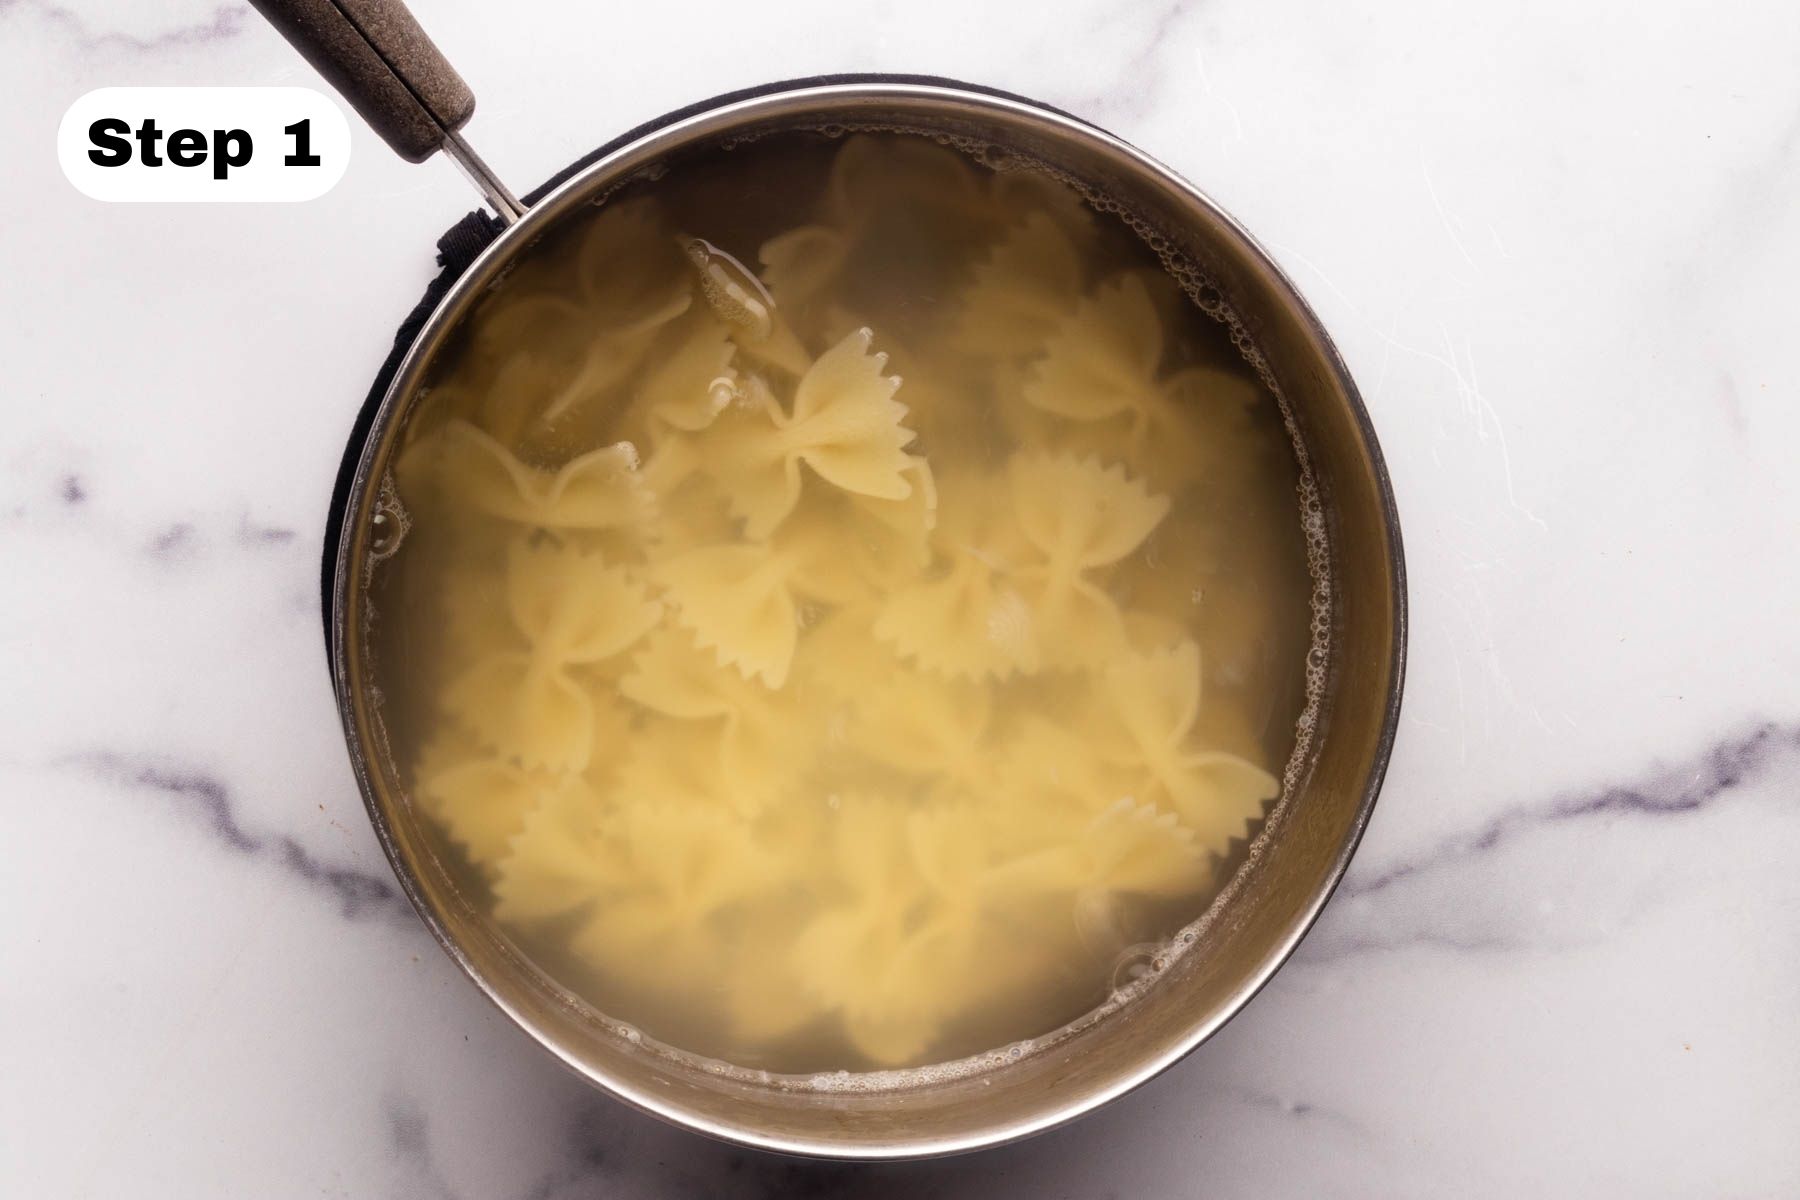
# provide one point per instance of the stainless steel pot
(373, 52)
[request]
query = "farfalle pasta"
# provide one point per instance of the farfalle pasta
(750, 735)
(1079, 517)
(850, 664)
(843, 423)
(1021, 292)
(525, 699)
(1144, 721)
(966, 617)
(600, 489)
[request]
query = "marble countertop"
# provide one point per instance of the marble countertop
(1558, 245)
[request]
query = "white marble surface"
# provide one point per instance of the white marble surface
(1557, 242)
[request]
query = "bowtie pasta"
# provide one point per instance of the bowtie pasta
(850, 663)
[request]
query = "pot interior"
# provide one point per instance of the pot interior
(1288, 869)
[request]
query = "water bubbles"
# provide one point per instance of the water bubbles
(732, 289)
(995, 159)
(721, 392)
(389, 523)
(383, 534)
(1137, 963)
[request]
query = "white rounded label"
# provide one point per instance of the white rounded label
(203, 144)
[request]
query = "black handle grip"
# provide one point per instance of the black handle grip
(373, 53)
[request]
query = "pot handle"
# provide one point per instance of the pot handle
(373, 54)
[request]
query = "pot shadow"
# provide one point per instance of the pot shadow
(616, 1151)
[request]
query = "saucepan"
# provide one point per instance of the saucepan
(375, 54)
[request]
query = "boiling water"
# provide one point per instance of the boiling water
(853, 606)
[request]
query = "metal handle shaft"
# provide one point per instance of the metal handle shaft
(375, 55)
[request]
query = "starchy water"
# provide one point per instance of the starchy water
(853, 606)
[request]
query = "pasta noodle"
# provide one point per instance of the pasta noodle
(863, 958)
(563, 858)
(571, 610)
(815, 660)
(1021, 291)
(480, 798)
(1152, 702)
(921, 725)
(600, 489)
(688, 390)
(1079, 516)
(844, 424)
(739, 601)
(755, 747)
(969, 620)
(681, 867)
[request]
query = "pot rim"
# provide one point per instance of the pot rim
(569, 192)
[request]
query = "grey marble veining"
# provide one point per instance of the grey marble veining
(219, 23)
(1398, 906)
(356, 894)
